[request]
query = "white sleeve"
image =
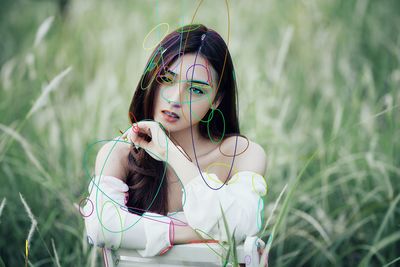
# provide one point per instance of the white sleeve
(109, 224)
(240, 200)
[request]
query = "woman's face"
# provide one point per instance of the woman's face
(186, 89)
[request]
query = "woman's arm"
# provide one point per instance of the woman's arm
(240, 200)
(106, 218)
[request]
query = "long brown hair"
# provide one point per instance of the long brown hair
(146, 176)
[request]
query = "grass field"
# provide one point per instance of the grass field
(318, 89)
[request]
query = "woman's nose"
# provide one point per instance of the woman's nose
(176, 105)
(175, 97)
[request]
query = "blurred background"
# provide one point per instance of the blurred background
(318, 89)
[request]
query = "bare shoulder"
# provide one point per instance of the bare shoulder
(112, 159)
(251, 156)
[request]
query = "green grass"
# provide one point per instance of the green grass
(316, 78)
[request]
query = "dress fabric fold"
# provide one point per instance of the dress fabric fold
(109, 224)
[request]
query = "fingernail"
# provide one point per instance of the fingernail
(135, 128)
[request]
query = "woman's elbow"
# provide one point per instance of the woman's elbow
(98, 236)
(102, 231)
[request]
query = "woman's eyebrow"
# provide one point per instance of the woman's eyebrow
(200, 82)
(193, 81)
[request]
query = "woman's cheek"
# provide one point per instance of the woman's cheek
(198, 110)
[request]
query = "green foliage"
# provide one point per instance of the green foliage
(231, 242)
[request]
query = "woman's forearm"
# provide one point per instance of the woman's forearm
(185, 234)
(185, 169)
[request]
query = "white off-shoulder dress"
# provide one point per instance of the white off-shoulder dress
(109, 224)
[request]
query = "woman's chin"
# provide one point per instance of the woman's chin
(167, 126)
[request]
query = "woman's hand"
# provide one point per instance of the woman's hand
(261, 249)
(150, 136)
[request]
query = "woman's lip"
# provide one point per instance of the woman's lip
(169, 118)
(162, 111)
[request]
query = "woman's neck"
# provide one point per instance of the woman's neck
(185, 141)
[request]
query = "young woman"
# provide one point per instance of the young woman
(167, 179)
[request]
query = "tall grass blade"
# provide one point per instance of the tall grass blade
(43, 29)
(42, 99)
(3, 203)
(26, 147)
(31, 217)
(55, 253)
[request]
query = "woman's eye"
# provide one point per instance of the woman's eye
(197, 90)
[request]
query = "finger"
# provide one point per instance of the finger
(135, 127)
(152, 125)
(144, 133)
(138, 138)
(125, 135)
(133, 136)
(158, 138)
(155, 130)
(146, 127)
